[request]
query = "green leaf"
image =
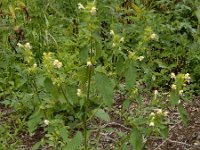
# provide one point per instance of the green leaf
(174, 97)
(38, 145)
(105, 88)
(183, 114)
(198, 15)
(136, 139)
(71, 94)
(34, 120)
(126, 104)
(101, 114)
(75, 143)
(48, 85)
(83, 53)
(163, 130)
(130, 76)
(64, 133)
(124, 147)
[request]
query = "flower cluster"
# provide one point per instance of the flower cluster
(57, 64)
(140, 58)
(25, 46)
(90, 8)
(156, 115)
(154, 37)
(78, 93)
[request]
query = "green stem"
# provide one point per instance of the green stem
(86, 108)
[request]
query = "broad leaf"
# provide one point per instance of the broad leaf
(136, 139)
(105, 88)
(34, 120)
(101, 114)
(174, 97)
(75, 143)
(183, 114)
(130, 76)
(48, 85)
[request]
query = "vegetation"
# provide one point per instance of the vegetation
(63, 65)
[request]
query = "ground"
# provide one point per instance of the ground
(180, 137)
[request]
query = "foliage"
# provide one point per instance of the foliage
(61, 63)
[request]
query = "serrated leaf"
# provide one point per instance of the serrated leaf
(105, 88)
(101, 114)
(136, 139)
(183, 114)
(130, 76)
(75, 143)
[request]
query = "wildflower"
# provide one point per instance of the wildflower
(187, 77)
(28, 46)
(112, 32)
(46, 122)
(155, 92)
(180, 92)
(140, 58)
(20, 45)
(151, 124)
(93, 11)
(57, 64)
(179, 101)
(173, 76)
(159, 111)
(80, 6)
(89, 64)
(154, 36)
(152, 114)
(34, 65)
(121, 39)
(173, 86)
(78, 92)
(165, 113)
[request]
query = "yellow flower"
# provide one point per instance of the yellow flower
(78, 92)
(154, 36)
(173, 76)
(140, 58)
(187, 77)
(89, 63)
(20, 45)
(27, 46)
(80, 6)
(93, 11)
(173, 86)
(181, 92)
(159, 111)
(151, 124)
(46, 122)
(112, 32)
(57, 64)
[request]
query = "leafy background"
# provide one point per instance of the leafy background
(34, 90)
